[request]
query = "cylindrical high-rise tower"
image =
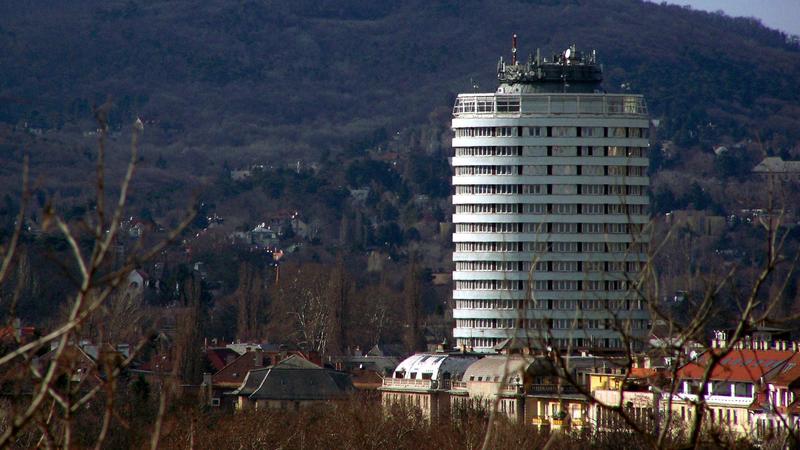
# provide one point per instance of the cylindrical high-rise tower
(550, 209)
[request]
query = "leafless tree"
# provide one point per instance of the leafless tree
(55, 389)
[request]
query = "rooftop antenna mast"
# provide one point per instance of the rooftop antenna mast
(514, 49)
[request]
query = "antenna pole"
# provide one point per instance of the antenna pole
(514, 49)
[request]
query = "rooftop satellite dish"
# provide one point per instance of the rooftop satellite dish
(567, 53)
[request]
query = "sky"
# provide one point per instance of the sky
(781, 14)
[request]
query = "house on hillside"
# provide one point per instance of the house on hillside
(424, 381)
(775, 168)
(264, 236)
(137, 281)
(368, 369)
(776, 408)
(274, 353)
(291, 384)
(381, 359)
(232, 375)
(241, 174)
(733, 385)
(360, 194)
(551, 402)
(495, 378)
(637, 391)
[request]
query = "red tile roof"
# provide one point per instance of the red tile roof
(220, 357)
(640, 372)
(786, 373)
(10, 332)
(739, 365)
(233, 374)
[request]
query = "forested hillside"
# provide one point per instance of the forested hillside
(237, 73)
(341, 110)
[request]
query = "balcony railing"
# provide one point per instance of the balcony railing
(477, 105)
(540, 421)
(511, 389)
(404, 383)
(551, 389)
(410, 383)
(458, 385)
(416, 384)
(558, 422)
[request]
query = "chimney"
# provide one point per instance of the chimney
(17, 325)
(258, 358)
(207, 387)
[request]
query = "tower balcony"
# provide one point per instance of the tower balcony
(522, 105)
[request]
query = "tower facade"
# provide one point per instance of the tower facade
(551, 207)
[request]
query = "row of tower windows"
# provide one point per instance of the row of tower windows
(556, 169)
(549, 266)
(607, 343)
(553, 304)
(551, 208)
(478, 342)
(542, 285)
(552, 150)
(553, 247)
(559, 131)
(560, 228)
(490, 151)
(631, 304)
(491, 304)
(486, 323)
(554, 189)
(553, 324)
(502, 189)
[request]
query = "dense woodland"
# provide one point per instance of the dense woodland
(323, 98)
